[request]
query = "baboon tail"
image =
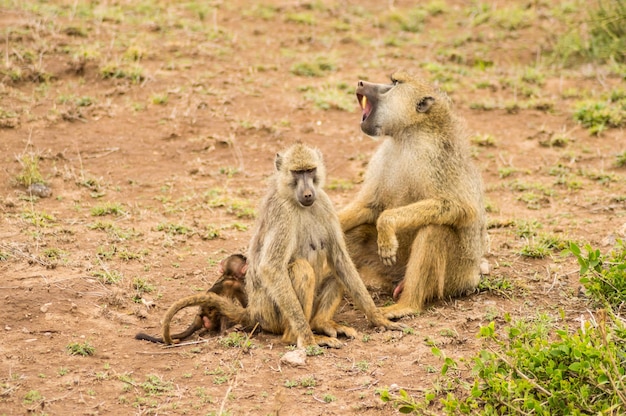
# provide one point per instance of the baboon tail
(145, 337)
(225, 306)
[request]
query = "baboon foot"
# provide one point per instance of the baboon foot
(324, 341)
(332, 329)
(398, 311)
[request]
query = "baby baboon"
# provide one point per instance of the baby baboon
(298, 262)
(418, 222)
(230, 285)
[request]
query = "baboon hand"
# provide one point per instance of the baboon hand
(387, 248)
(387, 240)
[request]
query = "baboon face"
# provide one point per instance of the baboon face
(390, 108)
(234, 266)
(301, 172)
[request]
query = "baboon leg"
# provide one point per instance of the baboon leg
(362, 243)
(363, 249)
(326, 304)
(426, 270)
(302, 278)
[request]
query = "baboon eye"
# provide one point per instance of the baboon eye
(394, 81)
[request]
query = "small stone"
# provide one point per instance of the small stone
(484, 267)
(295, 358)
(39, 189)
(45, 307)
(7, 328)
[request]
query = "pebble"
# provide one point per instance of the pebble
(39, 189)
(295, 358)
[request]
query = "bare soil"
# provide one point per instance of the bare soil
(176, 171)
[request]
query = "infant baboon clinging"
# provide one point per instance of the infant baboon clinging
(230, 285)
(298, 262)
(418, 221)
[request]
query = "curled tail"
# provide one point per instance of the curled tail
(236, 313)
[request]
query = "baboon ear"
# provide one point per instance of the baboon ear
(424, 104)
(278, 161)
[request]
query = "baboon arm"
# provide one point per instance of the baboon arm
(425, 212)
(416, 215)
(347, 273)
(354, 215)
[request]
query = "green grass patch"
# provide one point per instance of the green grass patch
(80, 348)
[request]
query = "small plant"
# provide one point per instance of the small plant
(313, 350)
(142, 286)
(291, 384)
(30, 173)
(78, 348)
(500, 285)
(484, 140)
(329, 398)
(318, 68)
(174, 229)
(108, 277)
(32, 396)
(108, 208)
(155, 385)
(38, 219)
(308, 382)
(236, 340)
(160, 99)
(603, 278)
(331, 97)
(134, 73)
(598, 116)
(362, 366)
(621, 160)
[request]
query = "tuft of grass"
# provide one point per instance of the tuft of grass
(107, 208)
(314, 350)
(30, 173)
(320, 67)
(133, 73)
(236, 340)
(174, 229)
(108, 277)
(331, 97)
(155, 385)
(598, 116)
(484, 140)
(32, 396)
(80, 348)
(301, 18)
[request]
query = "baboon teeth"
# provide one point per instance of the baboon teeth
(367, 107)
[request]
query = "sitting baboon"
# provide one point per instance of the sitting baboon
(231, 284)
(298, 265)
(418, 221)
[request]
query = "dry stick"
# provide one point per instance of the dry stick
(182, 344)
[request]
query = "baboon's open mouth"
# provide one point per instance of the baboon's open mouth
(365, 104)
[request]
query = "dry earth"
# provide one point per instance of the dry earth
(155, 125)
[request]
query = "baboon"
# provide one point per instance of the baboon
(418, 221)
(230, 285)
(298, 264)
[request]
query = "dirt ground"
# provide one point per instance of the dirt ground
(155, 126)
